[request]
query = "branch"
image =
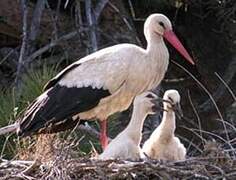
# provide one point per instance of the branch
(24, 44)
(35, 23)
(49, 46)
(54, 17)
(79, 21)
(91, 131)
(30, 169)
(99, 8)
(8, 129)
(132, 11)
(209, 94)
(92, 23)
(26, 49)
(129, 25)
(229, 74)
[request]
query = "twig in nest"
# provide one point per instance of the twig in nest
(31, 168)
(8, 129)
(228, 77)
(175, 80)
(191, 130)
(229, 125)
(190, 144)
(226, 85)
(91, 131)
(212, 134)
(4, 145)
(209, 94)
(195, 112)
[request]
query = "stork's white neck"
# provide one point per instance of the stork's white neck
(158, 55)
(167, 126)
(154, 41)
(135, 126)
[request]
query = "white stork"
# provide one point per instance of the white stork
(162, 143)
(102, 83)
(126, 144)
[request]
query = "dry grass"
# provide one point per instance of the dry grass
(214, 163)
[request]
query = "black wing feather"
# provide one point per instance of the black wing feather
(57, 106)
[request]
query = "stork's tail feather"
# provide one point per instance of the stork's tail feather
(38, 116)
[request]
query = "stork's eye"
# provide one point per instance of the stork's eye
(172, 101)
(162, 24)
(150, 95)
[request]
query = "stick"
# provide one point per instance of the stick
(127, 23)
(35, 23)
(91, 131)
(54, 17)
(220, 91)
(23, 50)
(8, 129)
(91, 22)
(49, 46)
(32, 167)
(133, 12)
(226, 85)
(99, 8)
(197, 116)
(209, 94)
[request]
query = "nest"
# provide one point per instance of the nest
(65, 162)
(223, 167)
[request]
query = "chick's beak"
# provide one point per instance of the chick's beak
(178, 110)
(157, 105)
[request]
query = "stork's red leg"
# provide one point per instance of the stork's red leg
(103, 134)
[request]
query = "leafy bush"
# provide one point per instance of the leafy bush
(10, 108)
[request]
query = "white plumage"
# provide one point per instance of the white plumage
(126, 145)
(162, 143)
(104, 82)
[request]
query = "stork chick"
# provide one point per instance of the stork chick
(126, 145)
(162, 143)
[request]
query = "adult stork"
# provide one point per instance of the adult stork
(102, 83)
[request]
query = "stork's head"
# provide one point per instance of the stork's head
(171, 100)
(157, 23)
(161, 25)
(146, 103)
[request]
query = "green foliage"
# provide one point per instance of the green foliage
(32, 86)
(7, 107)
(34, 82)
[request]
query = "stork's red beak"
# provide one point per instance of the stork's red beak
(174, 41)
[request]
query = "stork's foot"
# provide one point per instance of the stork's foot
(103, 134)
